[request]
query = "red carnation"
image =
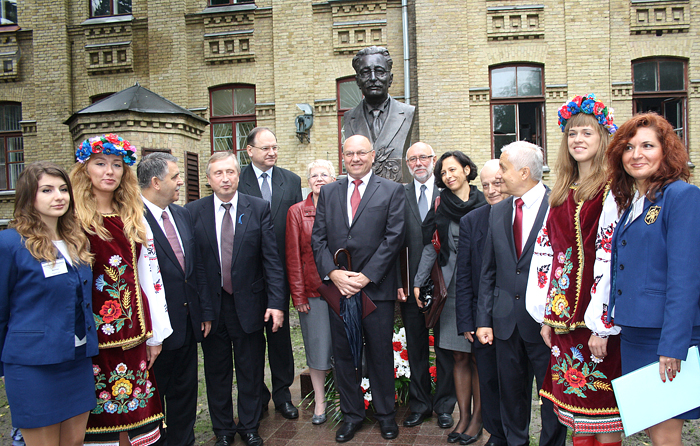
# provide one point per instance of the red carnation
(397, 346)
(433, 372)
(431, 340)
(110, 311)
(404, 355)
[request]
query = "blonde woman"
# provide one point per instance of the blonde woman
(46, 336)
(127, 296)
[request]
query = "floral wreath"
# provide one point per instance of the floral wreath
(589, 105)
(109, 144)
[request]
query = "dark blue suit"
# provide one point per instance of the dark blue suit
(37, 314)
(473, 228)
(656, 269)
(189, 304)
(258, 284)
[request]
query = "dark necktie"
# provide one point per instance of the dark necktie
(265, 188)
(172, 239)
(227, 248)
(376, 124)
(518, 227)
(355, 197)
(423, 202)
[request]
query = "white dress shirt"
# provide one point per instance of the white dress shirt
(351, 188)
(157, 212)
(258, 175)
(532, 200)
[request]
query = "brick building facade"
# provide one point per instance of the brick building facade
(481, 73)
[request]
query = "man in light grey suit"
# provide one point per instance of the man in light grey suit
(386, 122)
(501, 313)
(420, 197)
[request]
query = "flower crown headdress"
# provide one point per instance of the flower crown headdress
(109, 144)
(587, 104)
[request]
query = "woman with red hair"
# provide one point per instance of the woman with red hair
(655, 292)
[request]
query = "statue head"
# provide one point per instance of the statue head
(373, 73)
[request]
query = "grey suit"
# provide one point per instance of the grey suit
(420, 399)
(393, 140)
(520, 350)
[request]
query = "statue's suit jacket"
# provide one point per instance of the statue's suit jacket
(504, 277)
(395, 136)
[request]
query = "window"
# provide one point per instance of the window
(8, 12)
(99, 97)
(228, 2)
(660, 86)
(104, 8)
(348, 97)
(232, 118)
(191, 176)
(11, 145)
(517, 106)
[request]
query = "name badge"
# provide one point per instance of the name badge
(54, 269)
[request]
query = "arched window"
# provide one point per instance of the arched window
(232, 118)
(660, 85)
(348, 97)
(11, 144)
(517, 105)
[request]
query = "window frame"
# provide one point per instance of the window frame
(341, 112)
(229, 3)
(5, 21)
(112, 8)
(664, 95)
(4, 136)
(233, 119)
(540, 132)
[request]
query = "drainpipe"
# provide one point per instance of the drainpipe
(406, 71)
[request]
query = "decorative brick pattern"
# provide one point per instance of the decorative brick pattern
(659, 17)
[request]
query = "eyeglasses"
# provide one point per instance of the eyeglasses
(380, 73)
(361, 154)
(321, 175)
(422, 158)
(267, 149)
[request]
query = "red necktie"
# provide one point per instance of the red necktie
(172, 239)
(355, 197)
(518, 227)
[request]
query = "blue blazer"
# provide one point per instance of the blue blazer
(656, 268)
(37, 314)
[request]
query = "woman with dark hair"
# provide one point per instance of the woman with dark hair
(128, 301)
(568, 283)
(655, 292)
(46, 338)
(453, 172)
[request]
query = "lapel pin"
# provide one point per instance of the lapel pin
(240, 219)
(652, 214)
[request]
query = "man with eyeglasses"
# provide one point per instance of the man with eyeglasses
(420, 197)
(386, 122)
(364, 214)
(282, 189)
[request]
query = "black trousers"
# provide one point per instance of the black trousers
(417, 344)
(281, 358)
(176, 374)
(378, 329)
(518, 360)
(487, 367)
(224, 345)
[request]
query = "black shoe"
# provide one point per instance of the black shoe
(456, 437)
(414, 419)
(252, 439)
(347, 431)
(288, 410)
(389, 428)
(444, 420)
(468, 439)
(224, 440)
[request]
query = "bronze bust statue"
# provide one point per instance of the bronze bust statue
(386, 122)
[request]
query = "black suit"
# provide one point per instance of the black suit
(257, 278)
(520, 350)
(419, 389)
(189, 304)
(374, 240)
(286, 191)
(473, 228)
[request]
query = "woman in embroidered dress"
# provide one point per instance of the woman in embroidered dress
(46, 337)
(128, 302)
(453, 172)
(568, 282)
(656, 286)
(304, 282)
